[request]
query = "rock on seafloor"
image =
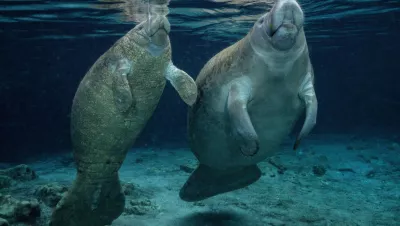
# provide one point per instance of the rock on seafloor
(19, 173)
(5, 182)
(14, 210)
(4, 222)
(140, 207)
(51, 194)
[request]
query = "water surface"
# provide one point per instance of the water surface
(217, 20)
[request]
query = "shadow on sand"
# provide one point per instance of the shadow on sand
(212, 218)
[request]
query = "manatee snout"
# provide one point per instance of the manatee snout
(162, 23)
(284, 22)
(155, 23)
(159, 30)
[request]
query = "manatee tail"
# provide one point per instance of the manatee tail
(90, 202)
(206, 182)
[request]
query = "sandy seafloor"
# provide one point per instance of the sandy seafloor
(361, 186)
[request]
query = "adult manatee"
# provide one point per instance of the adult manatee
(112, 105)
(250, 96)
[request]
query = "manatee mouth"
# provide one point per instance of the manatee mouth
(288, 26)
(283, 23)
(283, 36)
(154, 30)
(159, 38)
(164, 28)
(159, 31)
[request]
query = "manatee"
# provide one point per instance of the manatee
(250, 96)
(111, 106)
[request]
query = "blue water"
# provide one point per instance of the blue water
(48, 46)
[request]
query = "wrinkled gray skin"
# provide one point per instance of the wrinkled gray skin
(112, 105)
(250, 96)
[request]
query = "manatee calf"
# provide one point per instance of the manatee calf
(113, 102)
(250, 96)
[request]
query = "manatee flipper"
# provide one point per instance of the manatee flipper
(308, 96)
(90, 203)
(206, 182)
(240, 120)
(123, 98)
(182, 83)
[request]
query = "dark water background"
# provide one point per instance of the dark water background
(48, 46)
